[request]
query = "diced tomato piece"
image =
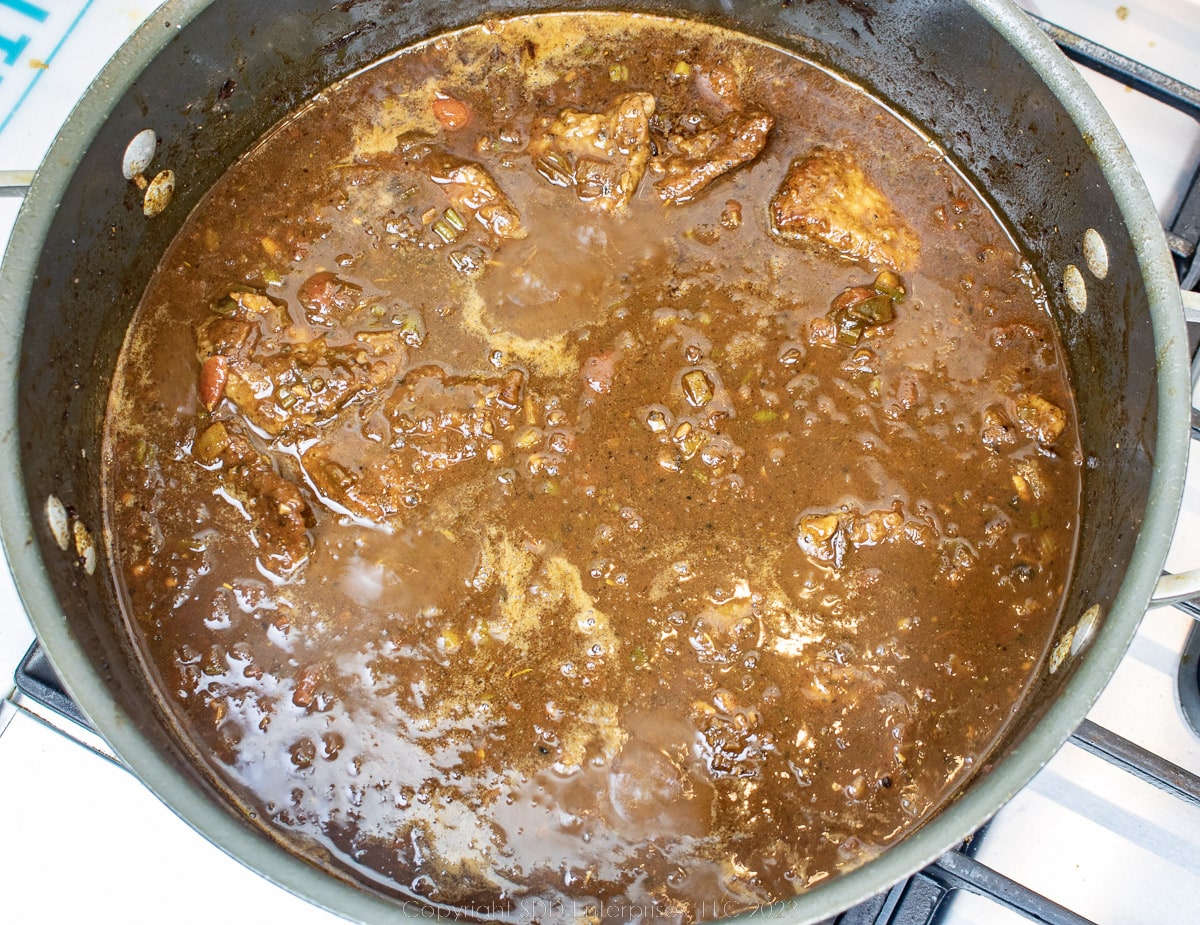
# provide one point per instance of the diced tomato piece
(213, 373)
(451, 113)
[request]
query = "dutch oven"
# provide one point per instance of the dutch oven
(210, 76)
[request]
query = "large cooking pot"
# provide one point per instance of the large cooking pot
(210, 77)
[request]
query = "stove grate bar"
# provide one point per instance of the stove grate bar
(1185, 228)
(1139, 762)
(36, 678)
(957, 870)
(920, 899)
(1180, 247)
(1131, 73)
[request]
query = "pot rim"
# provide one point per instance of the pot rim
(949, 826)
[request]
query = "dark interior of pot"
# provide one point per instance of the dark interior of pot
(240, 66)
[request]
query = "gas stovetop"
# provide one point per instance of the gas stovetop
(1108, 832)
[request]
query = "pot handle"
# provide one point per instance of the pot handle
(1184, 586)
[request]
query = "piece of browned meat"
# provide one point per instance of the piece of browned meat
(437, 422)
(279, 515)
(601, 155)
(370, 483)
(420, 194)
(830, 537)
(328, 299)
(1029, 415)
(443, 416)
(704, 157)
(305, 385)
(289, 387)
(237, 322)
(1039, 419)
(996, 429)
(828, 199)
(471, 189)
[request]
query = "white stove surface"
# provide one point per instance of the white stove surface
(82, 841)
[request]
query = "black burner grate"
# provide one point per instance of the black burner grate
(36, 679)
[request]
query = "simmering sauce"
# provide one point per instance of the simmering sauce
(592, 462)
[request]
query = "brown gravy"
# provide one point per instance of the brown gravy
(592, 462)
